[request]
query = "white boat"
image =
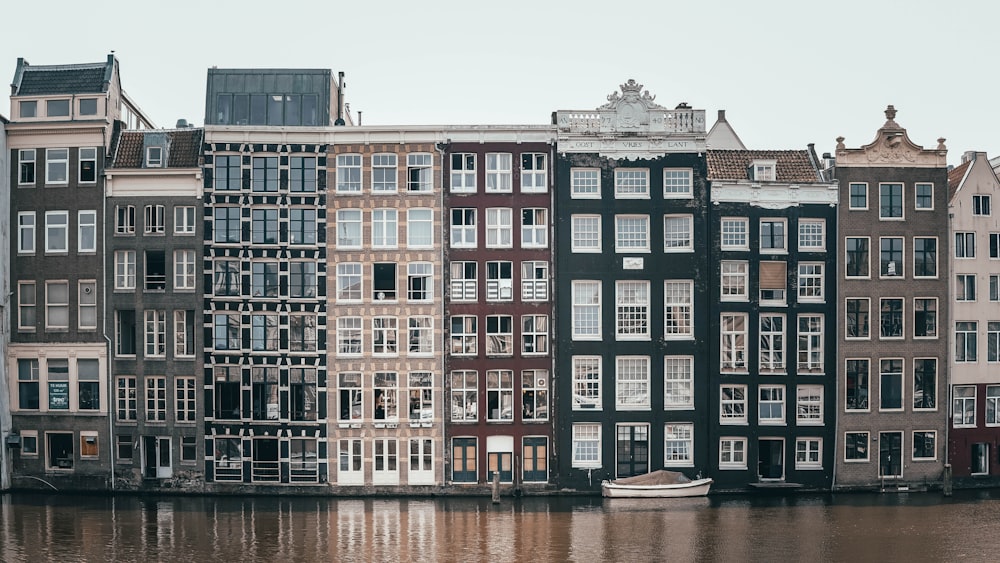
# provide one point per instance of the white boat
(657, 484)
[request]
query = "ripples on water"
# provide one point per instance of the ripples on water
(908, 527)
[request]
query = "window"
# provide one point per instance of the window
(56, 232)
(678, 445)
(57, 166)
(812, 235)
(632, 383)
(349, 281)
(678, 309)
(924, 196)
(586, 446)
(227, 172)
(88, 444)
(994, 246)
(302, 393)
(463, 172)
(534, 395)
(126, 399)
(891, 384)
(302, 332)
(965, 341)
(534, 228)
(87, 299)
(88, 165)
(890, 201)
(264, 333)
(732, 453)
(184, 269)
(858, 317)
(155, 265)
(773, 282)
(227, 225)
(419, 281)
(763, 170)
(631, 183)
(498, 172)
(499, 335)
(994, 287)
(534, 334)
(464, 396)
(677, 183)
(351, 404)
(963, 406)
(156, 399)
(264, 279)
(809, 404)
(771, 405)
(154, 220)
(302, 227)
(384, 281)
(419, 174)
(228, 396)
(348, 228)
(858, 262)
(924, 257)
(420, 336)
(586, 383)
(981, 205)
(811, 282)
(57, 305)
(265, 226)
(631, 233)
(808, 453)
(534, 281)
(965, 287)
(499, 227)
(226, 334)
(189, 449)
(586, 233)
(419, 228)
(26, 232)
(27, 306)
(125, 329)
(463, 228)
(678, 382)
(302, 279)
(993, 341)
(924, 384)
(88, 384)
(632, 310)
(348, 173)
(733, 404)
(772, 343)
(385, 336)
(891, 319)
(384, 228)
(26, 166)
(154, 157)
(183, 333)
(965, 245)
(677, 233)
(733, 281)
(28, 108)
(585, 183)
(772, 235)
(226, 280)
(586, 310)
(734, 233)
(463, 281)
(264, 177)
(924, 444)
(386, 396)
(810, 344)
(857, 385)
(302, 174)
(264, 393)
(499, 395)
(464, 335)
(184, 220)
(29, 443)
(734, 341)
(855, 446)
(533, 172)
(891, 260)
(58, 387)
(384, 176)
(499, 281)
(156, 333)
(992, 405)
(27, 384)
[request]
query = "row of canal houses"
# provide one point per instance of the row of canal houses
(284, 300)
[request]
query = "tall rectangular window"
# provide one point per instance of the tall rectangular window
(891, 257)
(733, 280)
(384, 178)
(632, 310)
(88, 375)
(891, 318)
(464, 396)
(154, 220)
(586, 383)
(57, 305)
(57, 166)
(499, 335)
(184, 269)
(963, 406)
(498, 172)
(302, 332)
(810, 344)
(678, 382)
(924, 257)
(302, 279)
(891, 384)
(965, 245)
(811, 282)
(965, 287)
(419, 172)
(227, 172)
(733, 341)
(419, 228)
(126, 399)
(348, 173)
(924, 383)
(302, 174)
(227, 225)
(499, 227)
(463, 172)
(124, 219)
(586, 310)
(420, 335)
(534, 280)
(27, 384)
(678, 445)
(156, 333)
(264, 333)
(156, 398)
(184, 333)
(124, 269)
(981, 205)
(226, 278)
(534, 334)
(533, 172)
(733, 404)
(463, 228)
(808, 405)
(924, 196)
(857, 384)
(385, 336)
(264, 279)
(125, 331)
(499, 281)
(26, 232)
(384, 228)
(87, 299)
(772, 343)
(419, 281)
(890, 201)
(858, 261)
(464, 335)
(499, 395)
(349, 336)
(464, 281)
(26, 167)
(858, 318)
(534, 228)
(56, 232)
(264, 176)
(348, 228)
(772, 235)
(771, 404)
(678, 309)
(302, 226)
(184, 220)
(993, 341)
(88, 165)
(27, 306)
(966, 333)
(264, 226)
(185, 399)
(678, 233)
(925, 317)
(534, 395)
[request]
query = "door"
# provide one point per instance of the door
(890, 454)
(633, 450)
(156, 457)
(535, 459)
(502, 461)
(771, 458)
(463, 460)
(980, 458)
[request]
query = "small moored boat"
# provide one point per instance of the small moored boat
(657, 484)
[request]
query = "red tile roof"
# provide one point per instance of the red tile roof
(792, 166)
(955, 176)
(183, 148)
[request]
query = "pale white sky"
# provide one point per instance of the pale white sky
(788, 72)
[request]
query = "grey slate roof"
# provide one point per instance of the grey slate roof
(77, 79)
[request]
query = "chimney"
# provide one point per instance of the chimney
(722, 115)
(968, 156)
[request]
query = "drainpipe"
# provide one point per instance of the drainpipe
(441, 149)
(104, 329)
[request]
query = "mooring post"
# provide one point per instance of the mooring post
(947, 480)
(496, 487)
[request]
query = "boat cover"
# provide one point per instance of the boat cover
(658, 477)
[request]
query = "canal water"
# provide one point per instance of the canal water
(898, 527)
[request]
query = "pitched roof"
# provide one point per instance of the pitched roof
(183, 147)
(794, 166)
(955, 177)
(63, 79)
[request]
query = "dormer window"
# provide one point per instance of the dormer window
(57, 108)
(763, 171)
(29, 108)
(88, 106)
(154, 157)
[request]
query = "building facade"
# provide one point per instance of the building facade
(5, 421)
(772, 366)
(893, 223)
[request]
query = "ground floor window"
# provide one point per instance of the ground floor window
(678, 445)
(732, 453)
(808, 453)
(980, 458)
(59, 450)
(228, 459)
(856, 446)
(924, 444)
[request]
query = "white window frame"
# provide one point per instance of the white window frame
(499, 227)
(155, 333)
(184, 220)
(56, 243)
(812, 235)
(184, 269)
(587, 383)
(678, 183)
(772, 358)
(27, 302)
(809, 405)
(464, 234)
(783, 249)
(464, 335)
(534, 335)
(463, 176)
(734, 276)
(867, 450)
(631, 183)
(631, 234)
(678, 444)
(499, 283)
(632, 300)
(420, 228)
(678, 241)
(385, 227)
(585, 183)
(350, 337)
(963, 406)
(26, 157)
(771, 396)
(349, 175)
(463, 287)
(420, 335)
(732, 407)
(349, 224)
(420, 271)
(808, 453)
(916, 188)
(499, 335)
(125, 269)
(154, 219)
(534, 227)
(738, 229)
(534, 280)
(56, 159)
(678, 382)
(27, 226)
(586, 326)
(737, 356)
(419, 162)
(499, 172)
(385, 177)
(585, 233)
(901, 270)
(978, 207)
(678, 309)
(347, 290)
(534, 172)
(385, 336)
(586, 445)
(732, 453)
(809, 344)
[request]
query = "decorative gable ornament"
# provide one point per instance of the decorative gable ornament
(632, 106)
(892, 146)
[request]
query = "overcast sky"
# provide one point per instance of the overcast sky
(787, 72)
